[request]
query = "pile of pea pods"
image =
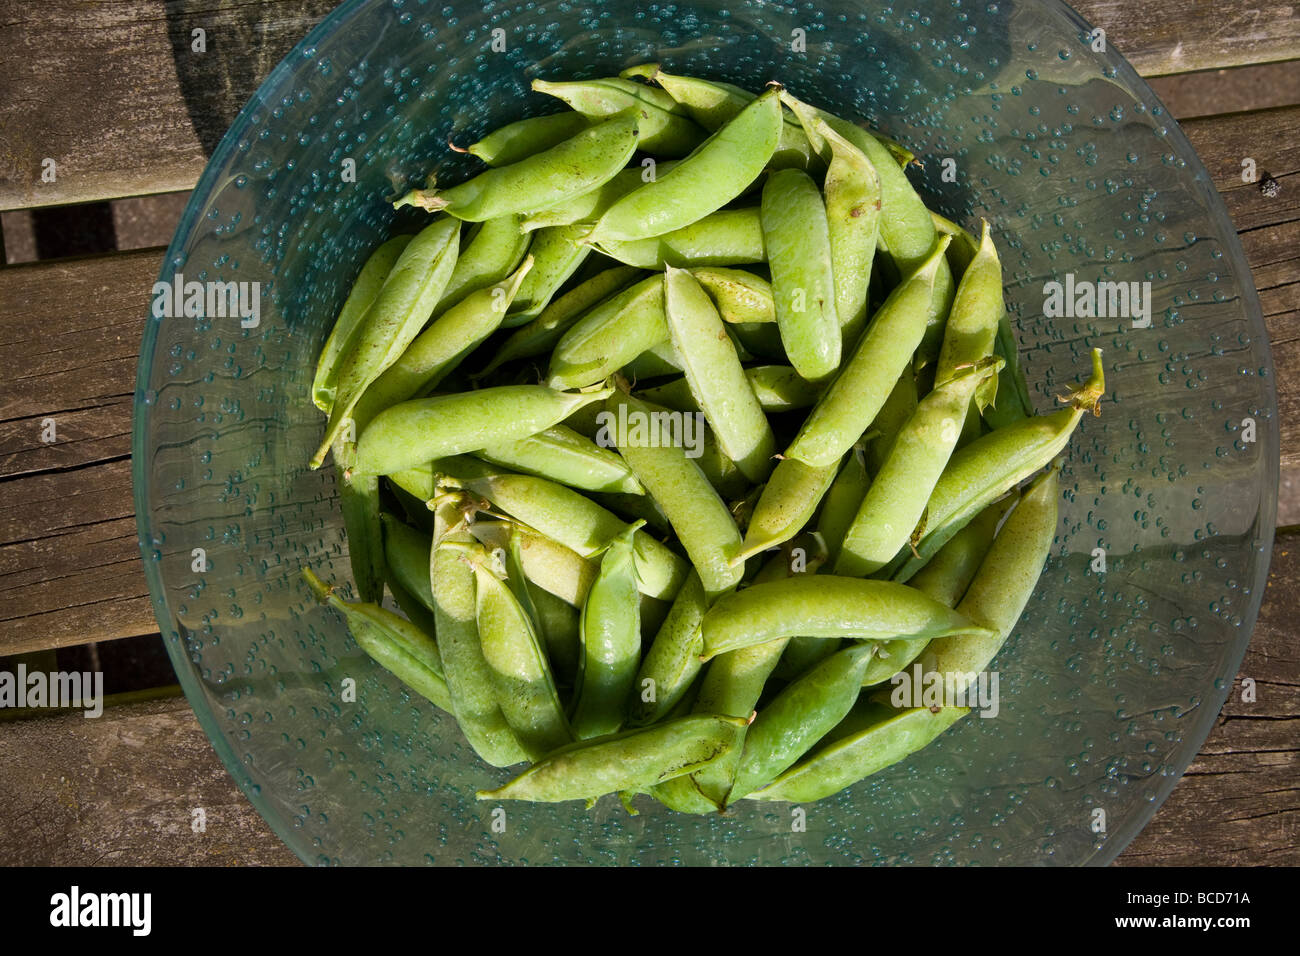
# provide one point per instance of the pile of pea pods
(679, 431)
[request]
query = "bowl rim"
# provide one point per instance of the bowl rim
(1265, 520)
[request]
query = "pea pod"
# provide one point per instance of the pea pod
(558, 625)
(1012, 401)
(394, 318)
(455, 611)
(728, 237)
(741, 297)
(574, 166)
(556, 254)
(804, 711)
(715, 376)
(893, 414)
(713, 175)
(441, 347)
(539, 335)
(517, 664)
(558, 570)
(673, 660)
(842, 500)
(826, 605)
(797, 238)
(575, 521)
(859, 391)
(898, 494)
(986, 468)
(527, 137)
(788, 501)
(892, 736)
(712, 104)
(634, 761)
(610, 336)
(394, 643)
(495, 251)
(610, 631)
(973, 323)
(359, 504)
(945, 579)
(701, 520)
(348, 324)
(591, 205)
(853, 203)
(409, 433)
(406, 552)
(564, 456)
(665, 128)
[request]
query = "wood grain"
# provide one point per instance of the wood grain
(121, 790)
(160, 107)
(69, 565)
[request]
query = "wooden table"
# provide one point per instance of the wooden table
(108, 89)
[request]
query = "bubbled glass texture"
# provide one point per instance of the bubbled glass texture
(1110, 682)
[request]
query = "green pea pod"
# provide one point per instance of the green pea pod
(455, 612)
(610, 631)
(410, 433)
(842, 500)
(985, 469)
(713, 104)
(853, 204)
(394, 643)
(673, 660)
(591, 205)
(799, 716)
(666, 130)
(897, 498)
(964, 246)
(558, 624)
(394, 318)
(741, 297)
(633, 760)
(787, 503)
(701, 520)
(406, 551)
(1012, 402)
(1000, 590)
(574, 166)
(441, 347)
(732, 684)
(564, 456)
(660, 361)
(416, 611)
(527, 137)
(893, 414)
(359, 504)
(797, 238)
(826, 605)
(558, 570)
(894, 736)
(348, 324)
(848, 406)
(494, 252)
(945, 579)
(778, 388)
(610, 336)
(715, 376)
(576, 522)
(517, 665)
(541, 334)
(973, 323)
(728, 237)
(717, 172)
(556, 256)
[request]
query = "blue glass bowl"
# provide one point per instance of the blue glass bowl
(1113, 678)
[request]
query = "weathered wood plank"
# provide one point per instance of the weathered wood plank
(160, 107)
(69, 565)
(121, 790)
(1239, 802)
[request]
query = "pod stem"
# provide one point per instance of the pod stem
(426, 199)
(1087, 397)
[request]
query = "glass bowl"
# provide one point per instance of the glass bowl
(1113, 678)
